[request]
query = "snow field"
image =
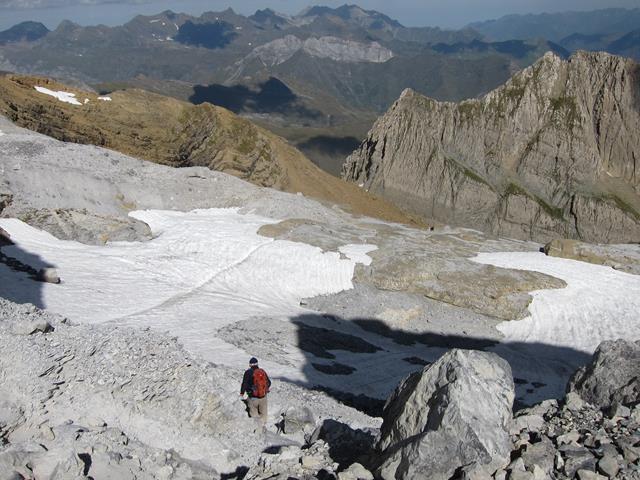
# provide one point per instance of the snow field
(599, 303)
(565, 325)
(203, 270)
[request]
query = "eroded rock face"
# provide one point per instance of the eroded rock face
(337, 49)
(5, 198)
(612, 378)
(552, 152)
(453, 414)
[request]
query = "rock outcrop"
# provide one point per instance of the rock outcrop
(337, 49)
(454, 415)
(576, 438)
(612, 378)
(553, 152)
(86, 227)
(620, 257)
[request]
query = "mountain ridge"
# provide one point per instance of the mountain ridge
(555, 26)
(536, 158)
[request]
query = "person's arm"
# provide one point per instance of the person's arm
(268, 382)
(246, 383)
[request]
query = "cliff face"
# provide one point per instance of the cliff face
(555, 151)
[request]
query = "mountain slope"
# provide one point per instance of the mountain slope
(554, 151)
(170, 132)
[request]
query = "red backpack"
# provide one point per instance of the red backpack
(260, 383)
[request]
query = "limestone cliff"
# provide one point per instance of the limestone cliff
(556, 150)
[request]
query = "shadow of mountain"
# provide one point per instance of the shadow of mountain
(207, 35)
(359, 362)
(328, 152)
(19, 275)
(271, 96)
(328, 145)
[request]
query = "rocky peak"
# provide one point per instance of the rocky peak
(553, 150)
(353, 14)
(268, 16)
(25, 31)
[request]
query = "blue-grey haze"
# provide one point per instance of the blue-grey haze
(448, 14)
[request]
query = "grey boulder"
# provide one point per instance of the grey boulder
(455, 413)
(32, 325)
(612, 377)
(297, 419)
(48, 275)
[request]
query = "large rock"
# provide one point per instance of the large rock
(552, 152)
(612, 377)
(620, 257)
(5, 238)
(86, 227)
(6, 197)
(454, 413)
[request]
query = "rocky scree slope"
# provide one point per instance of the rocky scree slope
(87, 401)
(167, 131)
(552, 152)
(82, 401)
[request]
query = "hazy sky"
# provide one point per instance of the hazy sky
(449, 13)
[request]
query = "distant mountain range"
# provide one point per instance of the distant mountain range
(613, 30)
(557, 26)
(324, 74)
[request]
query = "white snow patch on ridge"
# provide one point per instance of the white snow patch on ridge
(105, 99)
(66, 97)
(599, 303)
(203, 270)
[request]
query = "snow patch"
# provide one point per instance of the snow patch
(66, 97)
(358, 253)
(105, 99)
(599, 303)
(2, 133)
(565, 325)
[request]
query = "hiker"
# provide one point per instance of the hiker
(256, 383)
